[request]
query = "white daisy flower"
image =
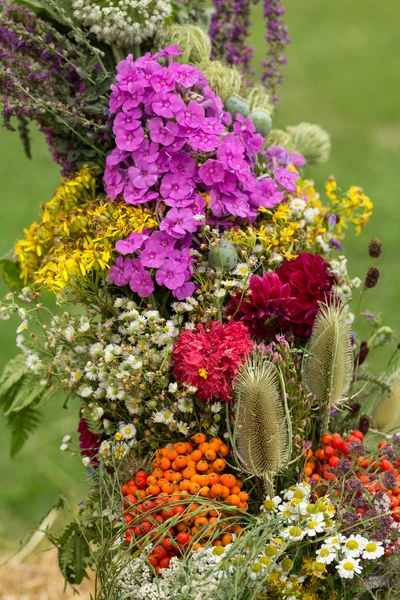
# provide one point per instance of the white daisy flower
(242, 269)
(34, 363)
(99, 412)
(84, 324)
(373, 550)
(111, 351)
(163, 416)
(132, 406)
(96, 350)
(172, 388)
(112, 392)
(354, 545)
(86, 461)
(185, 405)
(69, 333)
(334, 542)
(128, 431)
(182, 428)
(75, 376)
(310, 214)
(326, 554)
(104, 449)
(85, 391)
(120, 450)
(315, 525)
(216, 407)
(293, 533)
(271, 504)
(23, 326)
(348, 567)
(91, 372)
(356, 282)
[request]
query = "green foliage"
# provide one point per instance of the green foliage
(20, 395)
(10, 272)
(73, 553)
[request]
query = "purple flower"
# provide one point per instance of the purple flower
(148, 151)
(296, 159)
(121, 271)
(228, 183)
(134, 195)
(266, 194)
(133, 242)
(114, 179)
(278, 157)
(178, 221)
(191, 116)
(117, 98)
(184, 291)
(230, 152)
(185, 75)
(174, 186)
(286, 179)
(212, 126)
(162, 81)
(153, 256)
(171, 274)
(133, 96)
(144, 175)
(129, 140)
(161, 238)
(162, 133)
(167, 105)
(204, 142)
(142, 283)
(180, 163)
(127, 121)
(212, 172)
(236, 204)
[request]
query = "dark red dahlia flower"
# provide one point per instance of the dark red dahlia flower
(267, 310)
(310, 283)
(209, 357)
(88, 441)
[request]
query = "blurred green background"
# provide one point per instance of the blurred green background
(343, 72)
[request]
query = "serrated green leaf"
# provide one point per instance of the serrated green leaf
(73, 552)
(27, 391)
(14, 370)
(21, 424)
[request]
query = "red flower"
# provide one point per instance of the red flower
(267, 310)
(310, 283)
(210, 356)
(88, 442)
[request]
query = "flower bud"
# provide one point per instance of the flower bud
(235, 105)
(363, 353)
(223, 257)
(372, 277)
(312, 142)
(375, 248)
(262, 122)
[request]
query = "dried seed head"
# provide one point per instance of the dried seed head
(372, 277)
(363, 353)
(364, 424)
(375, 248)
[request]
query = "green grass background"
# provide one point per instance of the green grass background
(344, 73)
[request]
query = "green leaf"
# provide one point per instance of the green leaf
(73, 552)
(27, 391)
(21, 424)
(13, 372)
(11, 274)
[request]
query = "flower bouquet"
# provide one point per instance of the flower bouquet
(236, 445)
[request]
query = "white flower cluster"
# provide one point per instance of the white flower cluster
(122, 22)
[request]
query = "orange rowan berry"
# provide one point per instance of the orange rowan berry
(200, 521)
(180, 447)
(194, 487)
(225, 491)
(213, 478)
(189, 447)
(234, 499)
(224, 450)
(203, 479)
(181, 461)
(243, 496)
(202, 465)
(204, 491)
(228, 479)
(172, 454)
(196, 455)
(184, 485)
(219, 465)
(153, 490)
(210, 454)
(191, 463)
(167, 488)
(235, 489)
(203, 447)
(226, 539)
(198, 438)
(165, 463)
(188, 473)
(217, 489)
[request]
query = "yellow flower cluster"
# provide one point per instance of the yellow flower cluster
(76, 233)
(352, 206)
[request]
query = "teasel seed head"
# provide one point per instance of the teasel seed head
(328, 364)
(262, 427)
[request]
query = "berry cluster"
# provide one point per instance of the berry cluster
(181, 473)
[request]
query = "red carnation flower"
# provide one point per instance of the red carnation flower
(310, 283)
(210, 356)
(267, 310)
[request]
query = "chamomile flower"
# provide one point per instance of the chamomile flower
(348, 567)
(334, 542)
(120, 450)
(172, 388)
(293, 533)
(23, 326)
(91, 372)
(34, 363)
(182, 428)
(354, 545)
(128, 431)
(85, 391)
(216, 407)
(242, 269)
(75, 376)
(185, 405)
(271, 504)
(373, 550)
(315, 525)
(104, 449)
(326, 554)
(165, 416)
(132, 406)
(69, 333)
(356, 282)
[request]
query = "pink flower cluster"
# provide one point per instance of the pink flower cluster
(167, 125)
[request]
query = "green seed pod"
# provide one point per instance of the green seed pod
(262, 122)
(223, 80)
(258, 99)
(278, 137)
(235, 105)
(193, 42)
(223, 257)
(312, 142)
